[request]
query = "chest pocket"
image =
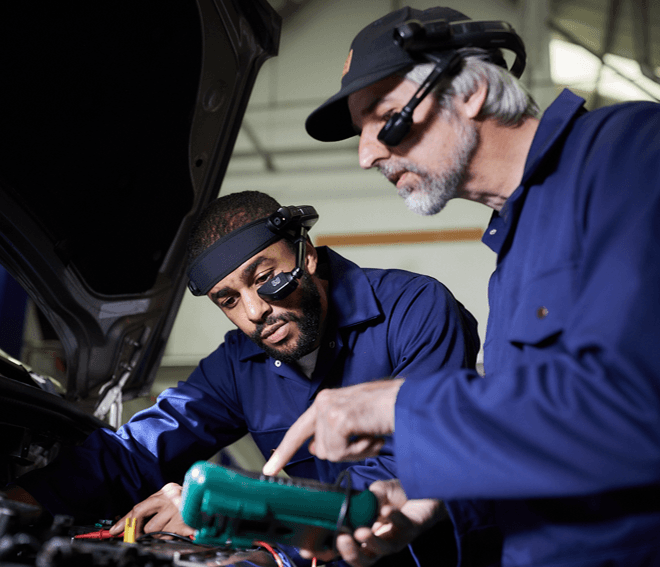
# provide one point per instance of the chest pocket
(543, 308)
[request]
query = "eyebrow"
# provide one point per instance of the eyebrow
(247, 273)
(373, 105)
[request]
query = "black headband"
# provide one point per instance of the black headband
(224, 256)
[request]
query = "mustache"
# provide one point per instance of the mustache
(272, 320)
(393, 170)
(390, 171)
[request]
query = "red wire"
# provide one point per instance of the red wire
(274, 553)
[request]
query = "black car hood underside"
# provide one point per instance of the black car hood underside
(117, 125)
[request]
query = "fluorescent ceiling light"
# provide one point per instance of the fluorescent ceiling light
(574, 67)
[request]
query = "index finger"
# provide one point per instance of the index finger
(294, 438)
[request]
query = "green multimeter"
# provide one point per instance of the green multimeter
(237, 508)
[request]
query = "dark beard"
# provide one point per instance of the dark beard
(309, 324)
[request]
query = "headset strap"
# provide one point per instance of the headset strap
(224, 256)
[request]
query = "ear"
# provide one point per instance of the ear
(472, 105)
(311, 258)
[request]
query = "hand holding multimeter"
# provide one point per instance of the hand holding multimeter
(234, 508)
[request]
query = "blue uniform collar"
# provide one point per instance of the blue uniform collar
(351, 298)
(554, 125)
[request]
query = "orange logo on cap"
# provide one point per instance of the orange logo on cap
(347, 63)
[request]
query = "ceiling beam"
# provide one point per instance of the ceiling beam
(266, 156)
(575, 40)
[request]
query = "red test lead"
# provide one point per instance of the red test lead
(100, 534)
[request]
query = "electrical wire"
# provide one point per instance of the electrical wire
(277, 557)
(281, 558)
(347, 499)
(173, 535)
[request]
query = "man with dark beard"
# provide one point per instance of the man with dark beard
(342, 325)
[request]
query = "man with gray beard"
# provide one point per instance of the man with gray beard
(557, 447)
(434, 189)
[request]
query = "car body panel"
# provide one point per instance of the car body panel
(118, 124)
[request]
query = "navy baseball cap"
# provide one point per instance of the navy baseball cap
(373, 56)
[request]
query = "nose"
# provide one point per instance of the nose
(256, 308)
(371, 149)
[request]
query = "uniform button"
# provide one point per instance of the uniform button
(278, 363)
(331, 344)
(493, 231)
(542, 312)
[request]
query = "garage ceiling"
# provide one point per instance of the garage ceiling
(273, 150)
(630, 28)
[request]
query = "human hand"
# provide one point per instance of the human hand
(159, 512)
(400, 521)
(347, 424)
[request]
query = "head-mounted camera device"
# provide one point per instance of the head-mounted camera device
(427, 37)
(229, 252)
(395, 43)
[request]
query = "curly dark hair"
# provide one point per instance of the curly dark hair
(224, 215)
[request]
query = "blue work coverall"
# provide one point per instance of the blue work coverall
(560, 441)
(380, 323)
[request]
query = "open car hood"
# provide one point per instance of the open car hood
(118, 121)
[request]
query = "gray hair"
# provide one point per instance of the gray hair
(507, 101)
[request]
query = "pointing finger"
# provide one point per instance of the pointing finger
(294, 438)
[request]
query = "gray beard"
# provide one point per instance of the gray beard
(434, 190)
